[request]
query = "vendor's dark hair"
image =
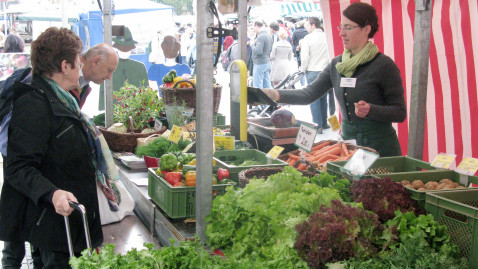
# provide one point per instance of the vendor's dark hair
(363, 14)
(274, 26)
(52, 47)
(258, 23)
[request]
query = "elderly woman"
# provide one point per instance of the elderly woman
(54, 155)
(367, 85)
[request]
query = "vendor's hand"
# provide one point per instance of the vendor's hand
(362, 109)
(272, 94)
(61, 201)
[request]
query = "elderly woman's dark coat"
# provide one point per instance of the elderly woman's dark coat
(47, 149)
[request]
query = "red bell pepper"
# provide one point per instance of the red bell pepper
(173, 177)
(222, 173)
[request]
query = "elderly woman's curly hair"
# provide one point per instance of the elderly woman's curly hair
(51, 48)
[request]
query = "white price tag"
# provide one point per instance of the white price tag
(158, 125)
(360, 162)
(348, 82)
(443, 160)
(468, 166)
(305, 137)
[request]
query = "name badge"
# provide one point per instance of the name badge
(348, 82)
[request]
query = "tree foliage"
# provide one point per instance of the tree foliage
(181, 7)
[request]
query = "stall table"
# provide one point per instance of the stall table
(155, 220)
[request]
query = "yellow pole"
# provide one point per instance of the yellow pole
(240, 66)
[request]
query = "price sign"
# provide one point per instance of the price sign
(360, 162)
(274, 152)
(468, 166)
(175, 135)
(166, 133)
(334, 123)
(443, 160)
(305, 137)
(225, 142)
(158, 125)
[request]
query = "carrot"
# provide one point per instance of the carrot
(325, 149)
(346, 150)
(288, 160)
(301, 166)
(334, 151)
(342, 154)
(295, 157)
(328, 157)
(352, 152)
(292, 162)
(321, 145)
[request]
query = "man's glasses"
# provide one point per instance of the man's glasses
(346, 27)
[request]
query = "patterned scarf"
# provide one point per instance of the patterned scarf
(350, 62)
(106, 170)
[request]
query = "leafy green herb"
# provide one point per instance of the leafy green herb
(160, 146)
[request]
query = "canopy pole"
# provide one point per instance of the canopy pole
(242, 29)
(418, 99)
(204, 99)
(107, 31)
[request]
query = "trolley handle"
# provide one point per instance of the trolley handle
(82, 211)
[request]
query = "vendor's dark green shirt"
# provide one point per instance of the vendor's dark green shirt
(378, 83)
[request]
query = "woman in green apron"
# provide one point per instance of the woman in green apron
(367, 85)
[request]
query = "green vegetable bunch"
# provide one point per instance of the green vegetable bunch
(141, 103)
(168, 162)
(160, 146)
(255, 225)
(189, 254)
(422, 243)
(169, 77)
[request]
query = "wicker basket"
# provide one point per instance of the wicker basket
(350, 147)
(246, 175)
(188, 95)
(124, 141)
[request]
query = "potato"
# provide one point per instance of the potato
(446, 180)
(422, 189)
(448, 187)
(431, 185)
(405, 182)
(409, 186)
(417, 184)
(460, 187)
(440, 186)
(455, 184)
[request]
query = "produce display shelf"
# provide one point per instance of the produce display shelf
(383, 167)
(176, 202)
(427, 176)
(224, 158)
(458, 210)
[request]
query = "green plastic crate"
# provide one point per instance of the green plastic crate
(225, 158)
(427, 176)
(176, 202)
(458, 210)
(384, 166)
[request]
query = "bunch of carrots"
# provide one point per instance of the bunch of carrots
(321, 154)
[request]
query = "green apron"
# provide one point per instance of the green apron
(373, 134)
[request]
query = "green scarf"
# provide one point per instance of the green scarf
(106, 170)
(350, 62)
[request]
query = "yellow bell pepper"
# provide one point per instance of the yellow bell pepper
(193, 162)
(190, 178)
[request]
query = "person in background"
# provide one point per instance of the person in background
(367, 85)
(261, 51)
(299, 33)
(156, 55)
(13, 43)
(53, 155)
(99, 63)
(314, 58)
(281, 58)
(274, 26)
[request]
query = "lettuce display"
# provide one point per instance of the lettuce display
(383, 197)
(337, 233)
(255, 225)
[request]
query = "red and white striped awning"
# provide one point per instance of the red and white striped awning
(452, 99)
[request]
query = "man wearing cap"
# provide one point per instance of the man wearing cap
(131, 70)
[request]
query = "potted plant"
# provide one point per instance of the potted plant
(136, 109)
